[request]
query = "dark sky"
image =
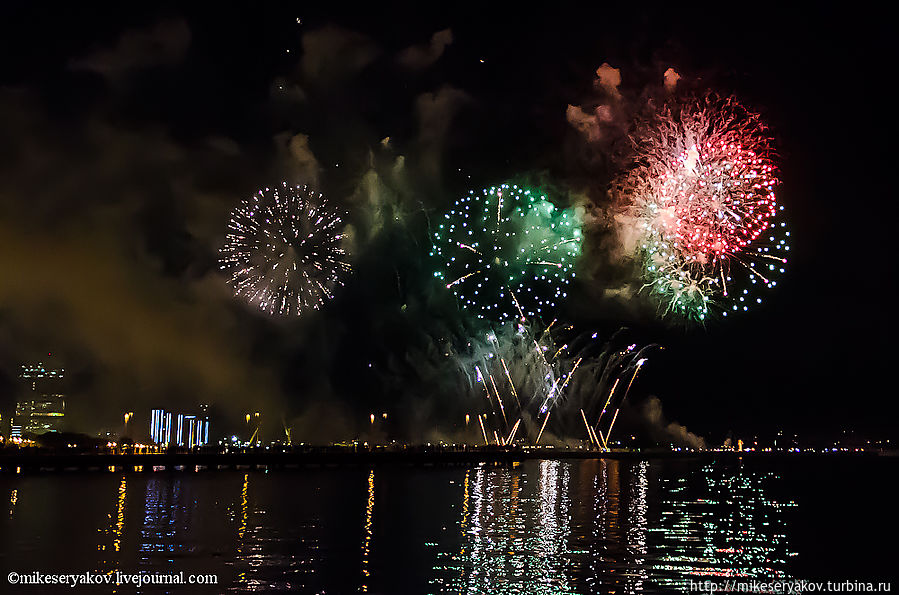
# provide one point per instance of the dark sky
(129, 133)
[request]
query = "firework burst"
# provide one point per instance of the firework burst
(507, 252)
(701, 195)
(283, 251)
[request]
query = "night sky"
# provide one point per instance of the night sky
(128, 134)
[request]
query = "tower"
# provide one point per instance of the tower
(41, 407)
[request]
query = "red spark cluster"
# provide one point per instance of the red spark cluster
(715, 198)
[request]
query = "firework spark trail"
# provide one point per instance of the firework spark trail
(515, 372)
(549, 396)
(507, 249)
(482, 378)
(283, 250)
(511, 384)
(605, 444)
(543, 427)
(512, 433)
(499, 400)
(640, 362)
(529, 386)
(486, 441)
(587, 426)
(701, 197)
(593, 384)
(521, 316)
(609, 431)
(463, 278)
(609, 400)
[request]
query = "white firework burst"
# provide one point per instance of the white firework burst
(284, 250)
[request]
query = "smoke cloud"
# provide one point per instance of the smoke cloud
(666, 431)
(162, 44)
(419, 57)
(609, 78)
(671, 77)
(301, 164)
(435, 112)
(332, 55)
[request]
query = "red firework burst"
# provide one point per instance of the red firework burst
(704, 178)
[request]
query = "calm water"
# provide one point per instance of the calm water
(541, 527)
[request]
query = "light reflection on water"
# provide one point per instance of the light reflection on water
(728, 528)
(270, 557)
(588, 527)
(591, 526)
(515, 536)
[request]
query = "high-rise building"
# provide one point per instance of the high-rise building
(161, 426)
(192, 430)
(188, 429)
(42, 405)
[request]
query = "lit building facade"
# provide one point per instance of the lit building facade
(161, 426)
(179, 429)
(42, 406)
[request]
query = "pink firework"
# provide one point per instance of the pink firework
(704, 178)
(699, 202)
(717, 198)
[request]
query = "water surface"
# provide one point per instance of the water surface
(577, 526)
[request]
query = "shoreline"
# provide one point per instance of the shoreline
(49, 462)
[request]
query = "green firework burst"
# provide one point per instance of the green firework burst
(507, 252)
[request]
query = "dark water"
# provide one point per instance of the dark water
(541, 527)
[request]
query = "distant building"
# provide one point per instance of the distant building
(192, 430)
(179, 429)
(161, 427)
(42, 405)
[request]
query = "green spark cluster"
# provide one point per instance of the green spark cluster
(507, 252)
